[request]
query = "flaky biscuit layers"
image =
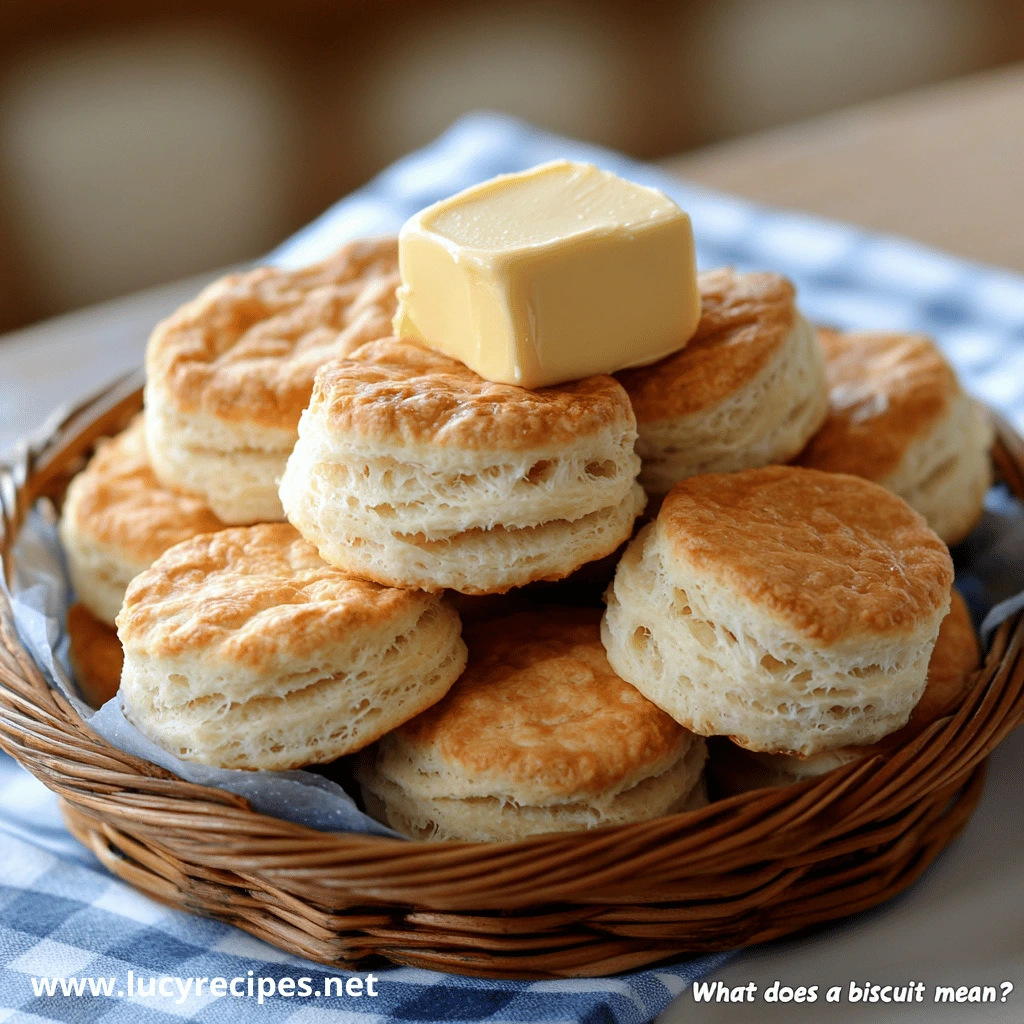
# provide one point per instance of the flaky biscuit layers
(790, 609)
(748, 390)
(954, 660)
(538, 735)
(229, 373)
(899, 417)
(244, 650)
(413, 471)
(117, 519)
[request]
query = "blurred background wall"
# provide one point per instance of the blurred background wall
(141, 142)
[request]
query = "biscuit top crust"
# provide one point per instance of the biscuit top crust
(744, 320)
(258, 597)
(886, 390)
(832, 557)
(118, 501)
(247, 348)
(394, 392)
(539, 710)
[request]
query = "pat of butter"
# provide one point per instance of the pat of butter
(549, 275)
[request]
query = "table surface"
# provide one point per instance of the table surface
(941, 166)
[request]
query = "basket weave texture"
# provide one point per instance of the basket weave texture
(743, 870)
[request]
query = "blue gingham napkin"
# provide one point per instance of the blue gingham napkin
(63, 917)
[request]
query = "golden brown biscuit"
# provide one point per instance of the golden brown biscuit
(791, 609)
(899, 417)
(956, 657)
(230, 372)
(244, 650)
(538, 735)
(117, 518)
(748, 389)
(413, 471)
(951, 672)
(96, 656)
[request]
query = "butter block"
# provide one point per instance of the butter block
(549, 275)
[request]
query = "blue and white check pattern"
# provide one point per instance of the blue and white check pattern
(62, 915)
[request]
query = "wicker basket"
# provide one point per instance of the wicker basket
(743, 870)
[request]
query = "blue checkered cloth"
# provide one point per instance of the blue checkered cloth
(63, 916)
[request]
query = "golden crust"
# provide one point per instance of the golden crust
(247, 349)
(118, 501)
(744, 321)
(832, 556)
(391, 391)
(955, 657)
(253, 596)
(538, 704)
(886, 390)
(96, 656)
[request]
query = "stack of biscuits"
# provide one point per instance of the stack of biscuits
(525, 611)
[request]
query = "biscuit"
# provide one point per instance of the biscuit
(229, 373)
(242, 649)
(950, 674)
(790, 609)
(898, 417)
(96, 656)
(117, 519)
(413, 471)
(748, 390)
(538, 735)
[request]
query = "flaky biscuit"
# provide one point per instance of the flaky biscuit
(538, 735)
(229, 373)
(951, 670)
(748, 390)
(790, 609)
(117, 519)
(96, 656)
(413, 471)
(899, 417)
(243, 649)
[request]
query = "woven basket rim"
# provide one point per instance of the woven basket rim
(328, 894)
